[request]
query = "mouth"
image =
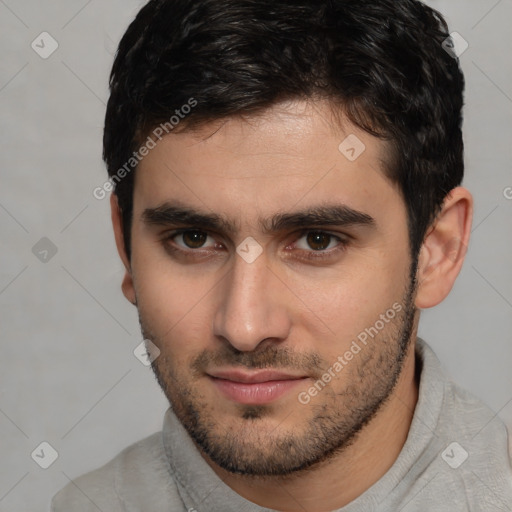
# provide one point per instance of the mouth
(256, 387)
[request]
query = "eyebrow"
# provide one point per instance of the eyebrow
(327, 215)
(169, 214)
(172, 214)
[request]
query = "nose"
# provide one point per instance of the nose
(251, 306)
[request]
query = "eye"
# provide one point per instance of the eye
(318, 241)
(192, 239)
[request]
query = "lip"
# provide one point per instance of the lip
(253, 388)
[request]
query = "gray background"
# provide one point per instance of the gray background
(68, 375)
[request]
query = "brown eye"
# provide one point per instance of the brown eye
(319, 241)
(194, 239)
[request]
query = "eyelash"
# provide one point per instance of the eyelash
(310, 255)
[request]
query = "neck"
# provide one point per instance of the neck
(344, 477)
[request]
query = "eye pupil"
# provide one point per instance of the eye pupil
(194, 239)
(318, 241)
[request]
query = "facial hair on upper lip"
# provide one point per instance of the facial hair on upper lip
(270, 357)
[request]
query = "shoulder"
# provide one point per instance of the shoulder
(468, 451)
(475, 448)
(470, 417)
(460, 413)
(138, 476)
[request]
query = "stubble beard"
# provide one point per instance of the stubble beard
(248, 446)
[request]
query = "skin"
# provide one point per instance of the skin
(208, 309)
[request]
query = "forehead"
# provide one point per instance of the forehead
(296, 154)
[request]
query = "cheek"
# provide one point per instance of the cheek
(352, 299)
(174, 307)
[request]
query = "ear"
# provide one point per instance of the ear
(117, 223)
(444, 248)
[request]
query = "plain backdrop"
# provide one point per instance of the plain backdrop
(67, 370)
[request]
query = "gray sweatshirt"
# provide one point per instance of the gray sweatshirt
(455, 459)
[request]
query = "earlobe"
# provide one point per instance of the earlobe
(444, 248)
(127, 285)
(128, 288)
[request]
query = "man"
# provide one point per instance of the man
(287, 199)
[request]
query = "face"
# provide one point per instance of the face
(273, 273)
